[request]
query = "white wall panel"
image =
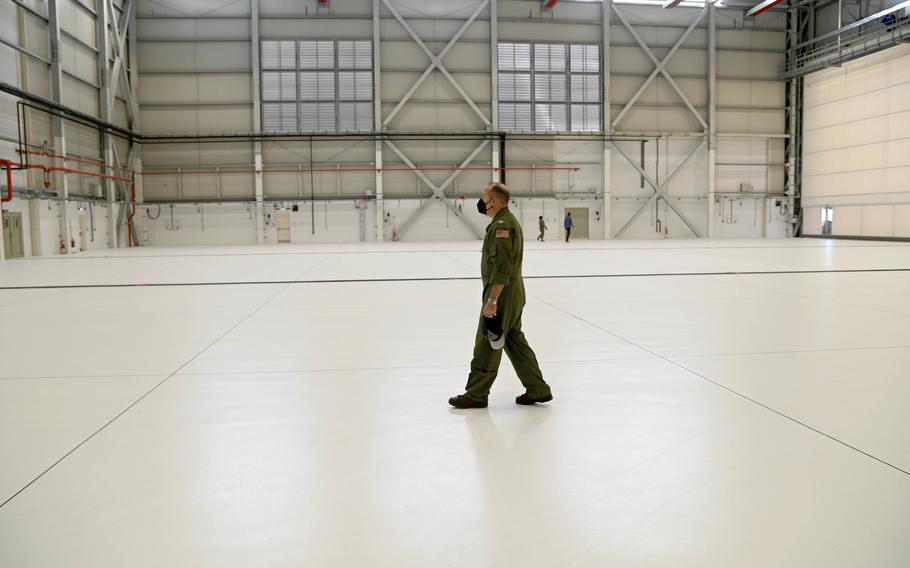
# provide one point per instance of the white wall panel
(77, 21)
(195, 8)
(316, 29)
(199, 89)
(194, 29)
(183, 56)
(856, 148)
(79, 60)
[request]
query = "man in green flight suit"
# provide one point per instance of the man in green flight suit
(543, 228)
(504, 299)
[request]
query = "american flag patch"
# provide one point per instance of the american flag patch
(504, 234)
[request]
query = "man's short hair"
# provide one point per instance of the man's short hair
(499, 191)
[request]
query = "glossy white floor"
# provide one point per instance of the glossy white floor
(701, 419)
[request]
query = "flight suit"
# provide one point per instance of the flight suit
(543, 228)
(503, 246)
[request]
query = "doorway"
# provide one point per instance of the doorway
(580, 218)
(284, 227)
(12, 234)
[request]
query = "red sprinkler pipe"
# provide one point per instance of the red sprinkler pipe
(9, 180)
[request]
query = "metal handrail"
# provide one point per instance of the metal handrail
(849, 45)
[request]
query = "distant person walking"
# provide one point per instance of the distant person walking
(543, 228)
(499, 328)
(568, 224)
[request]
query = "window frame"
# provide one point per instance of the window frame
(335, 70)
(567, 73)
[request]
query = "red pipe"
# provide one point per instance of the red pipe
(9, 180)
(50, 169)
(69, 159)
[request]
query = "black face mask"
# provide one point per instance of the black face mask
(481, 206)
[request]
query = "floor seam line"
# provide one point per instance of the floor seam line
(455, 278)
(153, 389)
(732, 391)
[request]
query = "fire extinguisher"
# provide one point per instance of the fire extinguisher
(62, 246)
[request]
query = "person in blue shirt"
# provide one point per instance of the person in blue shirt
(568, 224)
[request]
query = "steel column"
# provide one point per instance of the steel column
(105, 99)
(257, 119)
(494, 86)
(712, 115)
(378, 124)
(58, 127)
(133, 39)
(606, 117)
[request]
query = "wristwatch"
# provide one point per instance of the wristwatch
(491, 301)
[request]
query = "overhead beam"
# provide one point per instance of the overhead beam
(763, 7)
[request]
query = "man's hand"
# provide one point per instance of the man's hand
(489, 310)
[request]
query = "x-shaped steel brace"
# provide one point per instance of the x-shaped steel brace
(659, 190)
(660, 67)
(436, 62)
(439, 191)
(119, 71)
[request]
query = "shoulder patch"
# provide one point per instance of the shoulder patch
(502, 234)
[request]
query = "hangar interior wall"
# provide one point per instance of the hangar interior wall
(194, 69)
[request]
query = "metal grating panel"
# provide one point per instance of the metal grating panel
(586, 118)
(585, 88)
(317, 86)
(514, 87)
(316, 92)
(514, 56)
(549, 57)
(317, 55)
(279, 117)
(549, 87)
(550, 116)
(355, 116)
(355, 86)
(514, 116)
(355, 55)
(278, 54)
(585, 58)
(317, 117)
(279, 86)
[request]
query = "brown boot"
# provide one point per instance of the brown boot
(464, 401)
(526, 399)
